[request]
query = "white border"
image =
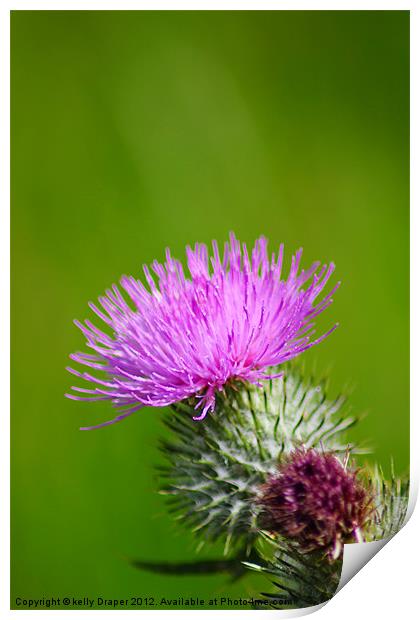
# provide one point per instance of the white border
(5, 315)
(215, 5)
(386, 586)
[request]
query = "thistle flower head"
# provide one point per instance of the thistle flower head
(317, 502)
(189, 336)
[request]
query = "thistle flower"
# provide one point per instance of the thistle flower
(191, 336)
(317, 502)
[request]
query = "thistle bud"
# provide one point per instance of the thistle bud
(317, 501)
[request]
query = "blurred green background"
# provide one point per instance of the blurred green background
(133, 131)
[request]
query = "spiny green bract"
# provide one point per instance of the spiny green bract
(391, 499)
(300, 580)
(217, 466)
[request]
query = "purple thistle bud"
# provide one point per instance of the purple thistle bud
(316, 501)
(190, 336)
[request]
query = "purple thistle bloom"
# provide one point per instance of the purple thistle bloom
(316, 501)
(190, 336)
